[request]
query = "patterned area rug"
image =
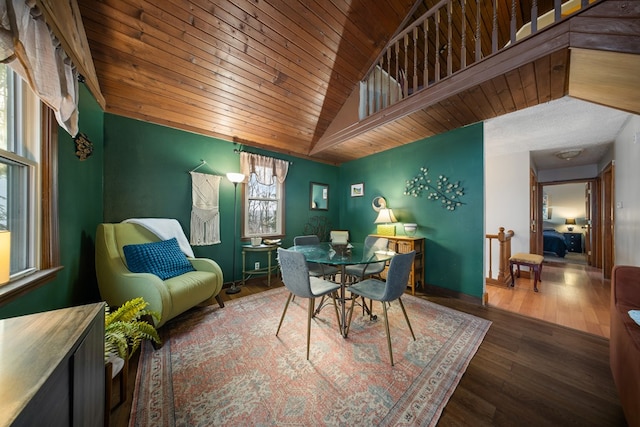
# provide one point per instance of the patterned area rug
(226, 367)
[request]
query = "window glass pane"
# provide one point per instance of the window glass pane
(20, 136)
(261, 191)
(14, 211)
(263, 213)
(263, 217)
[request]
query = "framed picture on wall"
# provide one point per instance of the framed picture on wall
(546, 210)
(357, 190)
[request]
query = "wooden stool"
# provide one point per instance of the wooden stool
(533, 261)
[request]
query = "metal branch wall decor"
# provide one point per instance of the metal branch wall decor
(445, 190)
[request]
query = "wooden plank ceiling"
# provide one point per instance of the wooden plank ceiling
(274, 74)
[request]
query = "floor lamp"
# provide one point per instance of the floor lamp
(235, 178)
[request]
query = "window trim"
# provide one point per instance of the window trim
(244, 236)
(49, 243)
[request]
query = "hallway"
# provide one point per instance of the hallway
(570, 295)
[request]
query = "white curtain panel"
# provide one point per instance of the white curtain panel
(265, 168)
(31, 50)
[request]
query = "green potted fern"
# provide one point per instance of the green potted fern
(124, 330)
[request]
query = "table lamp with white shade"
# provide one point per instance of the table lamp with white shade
(385, 222)
(5, 256)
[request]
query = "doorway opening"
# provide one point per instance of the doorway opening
(566, 222)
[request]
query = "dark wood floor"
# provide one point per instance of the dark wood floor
(527, 372)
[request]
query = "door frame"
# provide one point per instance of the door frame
(537, 243)
(606, 179)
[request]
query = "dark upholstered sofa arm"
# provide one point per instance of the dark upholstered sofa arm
(624, 343)
(625, 282)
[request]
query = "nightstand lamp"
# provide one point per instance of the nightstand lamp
(570, 222)
(385, 222)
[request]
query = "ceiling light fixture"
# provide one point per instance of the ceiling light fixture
(568, 154)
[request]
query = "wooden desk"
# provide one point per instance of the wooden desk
(272, 267)
(402, 245)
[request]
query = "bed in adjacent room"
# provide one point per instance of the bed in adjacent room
(554, 242)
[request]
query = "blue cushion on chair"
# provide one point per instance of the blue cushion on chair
(164, 259)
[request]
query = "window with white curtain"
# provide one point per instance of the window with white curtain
(20, 125)
(263, 204)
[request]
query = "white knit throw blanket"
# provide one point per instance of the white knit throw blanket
(205, 211)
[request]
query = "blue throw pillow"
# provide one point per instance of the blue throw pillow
(164, 259)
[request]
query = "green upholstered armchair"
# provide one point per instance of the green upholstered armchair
(169, 297)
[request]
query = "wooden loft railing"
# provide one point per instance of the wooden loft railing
(448, 38)
(504, 253)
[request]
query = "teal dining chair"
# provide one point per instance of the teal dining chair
(358, 272)
(317, 270)
(386, 292)
(296, 278)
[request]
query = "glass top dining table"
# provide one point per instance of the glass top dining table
(341, 256)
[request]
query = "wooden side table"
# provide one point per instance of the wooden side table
(268, 270)
(402, 245)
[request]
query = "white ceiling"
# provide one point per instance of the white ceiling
(546, 129)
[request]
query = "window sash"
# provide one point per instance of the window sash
(263, 209)
(18, 216)
(45, 257)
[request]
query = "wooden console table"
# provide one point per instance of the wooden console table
(271, 267)
(402, 245)
(52, 368)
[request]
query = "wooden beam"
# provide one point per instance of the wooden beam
(606, 78)
(63, 17)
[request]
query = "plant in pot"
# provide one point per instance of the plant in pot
(124, 331)
(124, 328)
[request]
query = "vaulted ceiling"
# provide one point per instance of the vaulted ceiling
(275, 74)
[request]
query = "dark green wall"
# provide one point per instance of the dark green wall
(455, 239)
(145, 172)
(80, 208)
(146, 175)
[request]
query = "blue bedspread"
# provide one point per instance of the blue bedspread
(554, 242)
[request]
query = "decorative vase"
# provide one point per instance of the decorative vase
(410, 229)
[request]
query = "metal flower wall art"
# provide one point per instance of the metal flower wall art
(445, 190)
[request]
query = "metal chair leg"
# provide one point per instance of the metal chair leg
(284, 312)
(386, 326)
(353, 303)
(335, 305)
(406, 318)
(309, 316)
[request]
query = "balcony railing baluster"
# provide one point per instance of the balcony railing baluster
(413, 59)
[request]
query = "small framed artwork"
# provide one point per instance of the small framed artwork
(357, 190)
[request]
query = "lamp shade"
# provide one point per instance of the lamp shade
(570, 221)
(5, 256)
(235, 177)
(385, 216)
